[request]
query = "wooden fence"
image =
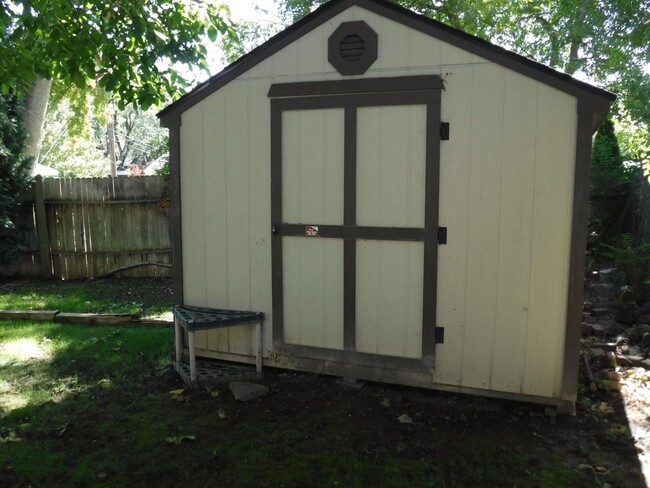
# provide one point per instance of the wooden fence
(84, 228)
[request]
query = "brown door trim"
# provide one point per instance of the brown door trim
(349, 95)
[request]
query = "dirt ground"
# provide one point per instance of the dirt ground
(455, 440)
(473, 440)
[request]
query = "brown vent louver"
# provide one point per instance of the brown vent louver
(352, 48)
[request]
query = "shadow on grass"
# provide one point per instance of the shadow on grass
(148, 296)
(110, 414)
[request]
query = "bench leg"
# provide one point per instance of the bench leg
(178, 332)
(190, 335)
(258, 358)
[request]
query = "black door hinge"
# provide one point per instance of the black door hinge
(440, 335)
(444, 131)
(442, 235)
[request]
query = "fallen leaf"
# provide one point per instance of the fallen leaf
(405, 419)
(221, 414)
(603, 409)
(213, 391)
(177, 440)
(177, 392)
(385, 402)
(62, 429)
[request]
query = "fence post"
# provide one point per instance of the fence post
(41, 227)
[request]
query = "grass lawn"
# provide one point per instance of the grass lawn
(150, 297)
(102, 406)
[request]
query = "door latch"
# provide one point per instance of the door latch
(274, 230)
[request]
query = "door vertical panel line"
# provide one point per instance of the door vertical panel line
(276, 219)
(431, 204)
(350, 218)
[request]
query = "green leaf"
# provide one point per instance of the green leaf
(212, 33)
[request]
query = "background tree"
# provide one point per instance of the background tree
(77, 146)
(250, 34)
(609, 192)
(129, 49)
(139, 137)
(14, 173)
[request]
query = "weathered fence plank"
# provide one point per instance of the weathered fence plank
(81, 228)
(41, 226)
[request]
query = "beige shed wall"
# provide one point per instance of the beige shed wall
(505, 197)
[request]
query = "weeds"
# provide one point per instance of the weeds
(631, 260)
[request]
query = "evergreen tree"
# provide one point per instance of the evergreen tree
(15, 176)
(610, 187)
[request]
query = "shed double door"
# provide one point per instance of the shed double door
(354, 210)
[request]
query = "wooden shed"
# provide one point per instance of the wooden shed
(403, 201)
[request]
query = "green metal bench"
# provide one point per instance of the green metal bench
(200, 318)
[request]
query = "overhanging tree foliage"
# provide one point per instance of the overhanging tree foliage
(127, 48)
(130, 49)
(14, 173)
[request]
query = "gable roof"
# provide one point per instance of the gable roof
(600, 99)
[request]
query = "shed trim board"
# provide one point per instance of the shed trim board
(406, 377)
(578, 245)
(351, 95)
(176, 233)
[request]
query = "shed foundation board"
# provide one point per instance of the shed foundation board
(385, 375)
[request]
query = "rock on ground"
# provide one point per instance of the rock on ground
(244, 390)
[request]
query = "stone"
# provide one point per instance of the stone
(607, 321)
(605, 275)
(605, 346)
(617, 329)
(244, 391)
(643, 319)
(643, 327)
(599, 359)
(634, 351)
(599, 311)
(628, 313)
(634, 336)
(599, 330)
(630, 361)
(587, 329)
(405, 419)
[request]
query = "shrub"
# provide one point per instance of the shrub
(15, 166)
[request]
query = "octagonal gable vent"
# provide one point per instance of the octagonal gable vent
(352, 48)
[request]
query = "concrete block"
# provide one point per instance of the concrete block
(244, 390)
